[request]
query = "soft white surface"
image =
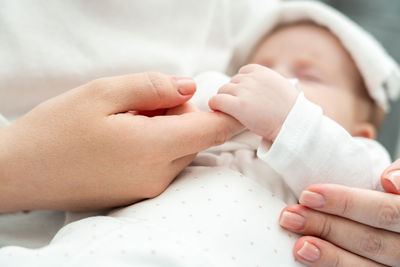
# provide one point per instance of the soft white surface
(223, 210)
(48, 47)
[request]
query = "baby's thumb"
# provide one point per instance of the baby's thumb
(390, 178)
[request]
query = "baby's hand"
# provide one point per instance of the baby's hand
(259, 98)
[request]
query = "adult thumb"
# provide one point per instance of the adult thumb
(390, 178)
(142, 91)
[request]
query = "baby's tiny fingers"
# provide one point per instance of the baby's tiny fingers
(240, 78)
(225, 103)
(249, 68)
(229, 89)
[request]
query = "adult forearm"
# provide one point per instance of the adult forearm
(13, 194)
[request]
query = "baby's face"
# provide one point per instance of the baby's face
(326, 72)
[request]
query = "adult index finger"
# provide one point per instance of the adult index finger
(190, 133)
(377, 209)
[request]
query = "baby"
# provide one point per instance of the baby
(261, 99)
(223, 209)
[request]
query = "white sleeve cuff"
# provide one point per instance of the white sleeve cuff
(288, 142)
(311, 148)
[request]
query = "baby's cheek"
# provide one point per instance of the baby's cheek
(335, 104)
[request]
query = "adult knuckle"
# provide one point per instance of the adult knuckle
(371, 244)
(337, 260)
(157, 83)
(394, 246)
(326, 228)
(221, 136)
(347, 206)
(388, 215)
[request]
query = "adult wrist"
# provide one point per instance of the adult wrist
(12, 195)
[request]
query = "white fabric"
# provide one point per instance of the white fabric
(223, 210)
(48, 47)
(380, 72)
(311, 148)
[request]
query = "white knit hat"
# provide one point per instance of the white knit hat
(380, 72)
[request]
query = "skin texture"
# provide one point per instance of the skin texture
(260, 96)
(354, 227)
(342, 226)
(94, 147)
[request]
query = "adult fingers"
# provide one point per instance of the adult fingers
(141, 91)
(390, 178)
(377, 209)
(379, 245)
(182, 109)
(191, 132)
(315, 252)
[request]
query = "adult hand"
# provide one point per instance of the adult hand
(92, 147)
(347, 226)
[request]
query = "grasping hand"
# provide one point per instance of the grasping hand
(90, 149)
(259, 98)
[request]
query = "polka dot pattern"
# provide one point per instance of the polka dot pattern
(218, 218)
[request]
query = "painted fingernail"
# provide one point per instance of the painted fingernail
(394, 178)
(185, 86)
(309, 252)
(291, 220)
(312, 199)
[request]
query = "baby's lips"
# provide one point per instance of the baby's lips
(186, 86)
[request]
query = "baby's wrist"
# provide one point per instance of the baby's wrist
(281, 120)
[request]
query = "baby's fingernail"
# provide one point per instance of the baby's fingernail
(312, 199)
(291, 220)
(185, 86)
(394, 178)
(309, 252)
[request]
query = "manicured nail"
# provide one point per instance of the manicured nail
(309, 252)
(291, 220)
(312, 199)
(394, 178)
(185, 86)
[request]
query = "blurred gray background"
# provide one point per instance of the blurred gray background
(382, 19)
